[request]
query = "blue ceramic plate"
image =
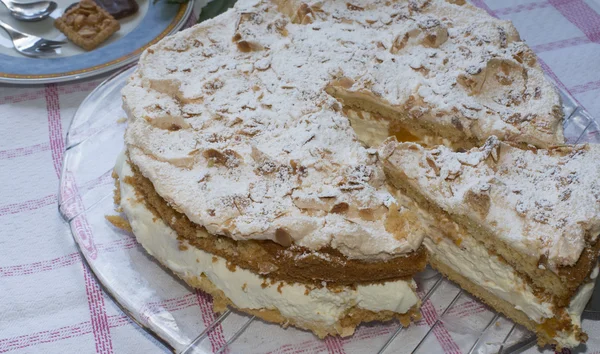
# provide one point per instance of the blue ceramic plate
(154, 20)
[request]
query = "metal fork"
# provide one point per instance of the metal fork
(30, 45)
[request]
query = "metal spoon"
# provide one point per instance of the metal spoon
(33, 11)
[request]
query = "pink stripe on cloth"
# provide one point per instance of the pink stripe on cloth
(95, 296)
(174, 304)
(521, 8)
(71, 204)
(334, 345)
(588, 86)
(62, 89)
(118, 321)
(117, 245)
(26, 96)
(55, 335)
(105, 178)
(593, 134)
(64, 261)
(99, 319)
(467, 309)
(440, 332)
(216, 337)
(24, 151)
(83, 232)
(57, 144)
(71, 200)
(571, 42)
(42, 266)
(78, 87)
(28, 205)
(49, 336)
(581, 15)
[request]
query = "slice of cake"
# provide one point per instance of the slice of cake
(520, 226)
(246, 275)
(447, 72)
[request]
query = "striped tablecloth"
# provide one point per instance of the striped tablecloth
(49, 301)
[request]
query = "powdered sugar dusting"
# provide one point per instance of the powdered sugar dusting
(232, 122)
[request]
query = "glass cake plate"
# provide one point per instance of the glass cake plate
(181, 318)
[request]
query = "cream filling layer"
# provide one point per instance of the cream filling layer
(476, 264)
(246, 289)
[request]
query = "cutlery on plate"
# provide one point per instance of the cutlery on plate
(33, 11)
(31, 45)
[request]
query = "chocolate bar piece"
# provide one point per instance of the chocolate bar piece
(119, 8)
(87, 24)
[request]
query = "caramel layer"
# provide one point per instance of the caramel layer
(289, 264)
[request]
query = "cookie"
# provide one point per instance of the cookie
(87, 24)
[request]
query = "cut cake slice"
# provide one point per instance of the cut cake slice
(517, 223)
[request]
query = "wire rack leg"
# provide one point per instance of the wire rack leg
(190, 347)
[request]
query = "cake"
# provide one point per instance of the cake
(258, 167)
